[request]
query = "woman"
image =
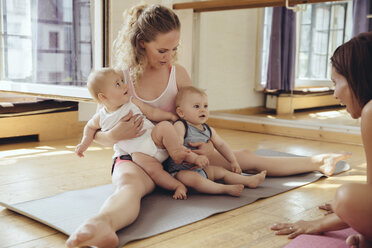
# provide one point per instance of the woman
(145, 50)
(352, 76)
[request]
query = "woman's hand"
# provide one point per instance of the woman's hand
(297, 228)
(205, 149)
(327, 207)
(129, 127)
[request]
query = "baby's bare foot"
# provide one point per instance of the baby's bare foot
(94, 232)
(358, 241)
(179, 154)
(327, 162)
(234, 190)
(180, 193)
(255, 180)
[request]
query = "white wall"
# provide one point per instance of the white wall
(228, 57)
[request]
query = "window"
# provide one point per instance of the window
(266, 42)
(321, 28)
(45, 42)
(53, 40)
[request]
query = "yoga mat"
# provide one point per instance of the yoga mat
(334, 239)
(159, 212)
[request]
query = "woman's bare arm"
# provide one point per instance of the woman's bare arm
(366, 129)
(129, 127)
(330, 222)
(154, 114)
(182, 77)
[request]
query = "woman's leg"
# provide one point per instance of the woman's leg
(353, 204)
(119, 210)
(281, 166)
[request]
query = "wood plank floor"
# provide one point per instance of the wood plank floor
(34, 170)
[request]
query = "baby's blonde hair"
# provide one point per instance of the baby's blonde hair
(141, 23)
(96, 81)
(186, 91)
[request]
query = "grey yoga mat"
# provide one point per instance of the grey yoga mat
(159, 212)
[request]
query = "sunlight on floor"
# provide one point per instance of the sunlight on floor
(351, 178)
(16, 152)
(327, 115)
(41, 154)
(323, 186)
(46, 147)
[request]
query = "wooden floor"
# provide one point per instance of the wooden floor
(34, 170)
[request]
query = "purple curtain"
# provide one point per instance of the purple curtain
(282, 52)
(361, 8)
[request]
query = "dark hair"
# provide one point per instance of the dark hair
(353, 60)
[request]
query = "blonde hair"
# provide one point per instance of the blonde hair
(96, 81)
(184, 91)
(141, 23)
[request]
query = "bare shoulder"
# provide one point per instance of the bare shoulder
(182, 77)
(367, 111)
(213, 131)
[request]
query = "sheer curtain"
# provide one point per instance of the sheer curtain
(361, 8)
(45, 41)
(282, 52)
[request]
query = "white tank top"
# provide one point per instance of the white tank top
(166, 100)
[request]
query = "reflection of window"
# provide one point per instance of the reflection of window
(321, 28)
(46, 42)
(53, 40)
(266, 42)
(55, 76)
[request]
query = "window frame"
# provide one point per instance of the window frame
(65, 92)
(299, 82)
(313, 82)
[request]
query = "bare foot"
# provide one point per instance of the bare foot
(234, 190)
(94, 232)
(255, 180)
(180, 193)
(179, 154)
(327, 162)
(358, 241)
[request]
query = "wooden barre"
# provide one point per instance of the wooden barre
(217, 5)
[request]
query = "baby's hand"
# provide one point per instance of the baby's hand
(201, 161)
(80, 149)
(236, 168)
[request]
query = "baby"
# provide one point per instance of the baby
(107, 87)
(192, 108)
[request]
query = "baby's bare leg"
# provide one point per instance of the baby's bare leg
(196, 181)
(281, 166)
(164, 135)
(219, 173)
(161, 178)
